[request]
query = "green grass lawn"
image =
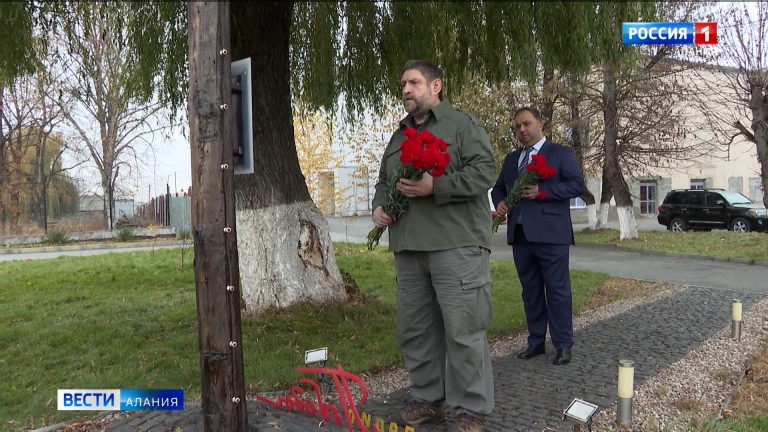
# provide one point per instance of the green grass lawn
(127, 320)
(751, 246)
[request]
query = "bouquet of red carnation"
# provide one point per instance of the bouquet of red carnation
(420, 152)
(535, 172)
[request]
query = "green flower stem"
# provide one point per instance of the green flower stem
(527, 178)
(396, 203)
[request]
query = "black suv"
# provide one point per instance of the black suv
(711, 209)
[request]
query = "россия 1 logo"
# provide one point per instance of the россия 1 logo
(647, 33)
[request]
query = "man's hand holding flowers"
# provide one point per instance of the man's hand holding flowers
(423, 156)
(416, 188)
(526, 187)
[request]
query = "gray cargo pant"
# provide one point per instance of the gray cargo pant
(443, 309)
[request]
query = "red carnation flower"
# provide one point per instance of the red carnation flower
(535, 172)
(420, 152)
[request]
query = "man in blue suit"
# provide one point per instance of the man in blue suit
(540, 232)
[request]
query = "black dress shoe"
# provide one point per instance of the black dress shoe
(562, 357)
(531, 351)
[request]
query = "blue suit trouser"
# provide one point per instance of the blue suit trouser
(545, 278)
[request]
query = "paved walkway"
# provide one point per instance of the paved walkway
(48, 252)
(531, 395)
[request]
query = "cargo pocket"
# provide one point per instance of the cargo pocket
(477, 272)
(478, 280)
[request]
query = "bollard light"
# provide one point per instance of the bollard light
(736, 319)
(625, 391)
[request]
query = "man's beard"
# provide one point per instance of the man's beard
(414, 108)
(411, 106)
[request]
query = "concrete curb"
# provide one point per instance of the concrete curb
(92, 246)
(674, 254)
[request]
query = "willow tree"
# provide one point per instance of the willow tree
(35, 148)
(318, 52)
(16, 32)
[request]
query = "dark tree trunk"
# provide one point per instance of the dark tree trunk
(106, 180)
(578, 140)
(261, 31)
(213, 220)
(605, 200)
(285, 250)
(758, 103)
(605, 192)
(612, 169)
(36, 182)
(579, 132)
(44, 187)
(3, 161)
(549, 97)
(15, 210)
(16, 173)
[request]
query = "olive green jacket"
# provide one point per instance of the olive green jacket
(458, 212)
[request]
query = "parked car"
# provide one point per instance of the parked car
(708, 209)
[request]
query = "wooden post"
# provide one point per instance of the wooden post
(213, 219)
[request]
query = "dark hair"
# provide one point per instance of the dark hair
(536, 114)
(430, 71)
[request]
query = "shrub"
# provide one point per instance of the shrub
(124, 235)
(57, 238)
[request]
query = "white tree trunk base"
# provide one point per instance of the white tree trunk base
(627, 223)
(286, 256)
(592, 216)
(602, 216)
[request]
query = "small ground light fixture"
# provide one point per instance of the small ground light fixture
(581, 410)
(316, 355)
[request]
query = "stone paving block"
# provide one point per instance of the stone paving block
(154, 414)
(136, 421)
(121, 428)
(147, 426)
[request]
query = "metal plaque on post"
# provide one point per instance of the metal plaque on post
(242, 117)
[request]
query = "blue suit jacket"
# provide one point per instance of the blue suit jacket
(547, 220)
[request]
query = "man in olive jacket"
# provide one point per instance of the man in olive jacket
(442, 247)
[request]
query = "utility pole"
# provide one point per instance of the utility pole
(213, 219)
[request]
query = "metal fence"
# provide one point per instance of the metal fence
(167, 210)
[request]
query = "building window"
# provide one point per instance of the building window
(755, 189)
(698, 184)
(648, 197)
(578, 203)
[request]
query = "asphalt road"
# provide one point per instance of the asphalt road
(614, 261)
